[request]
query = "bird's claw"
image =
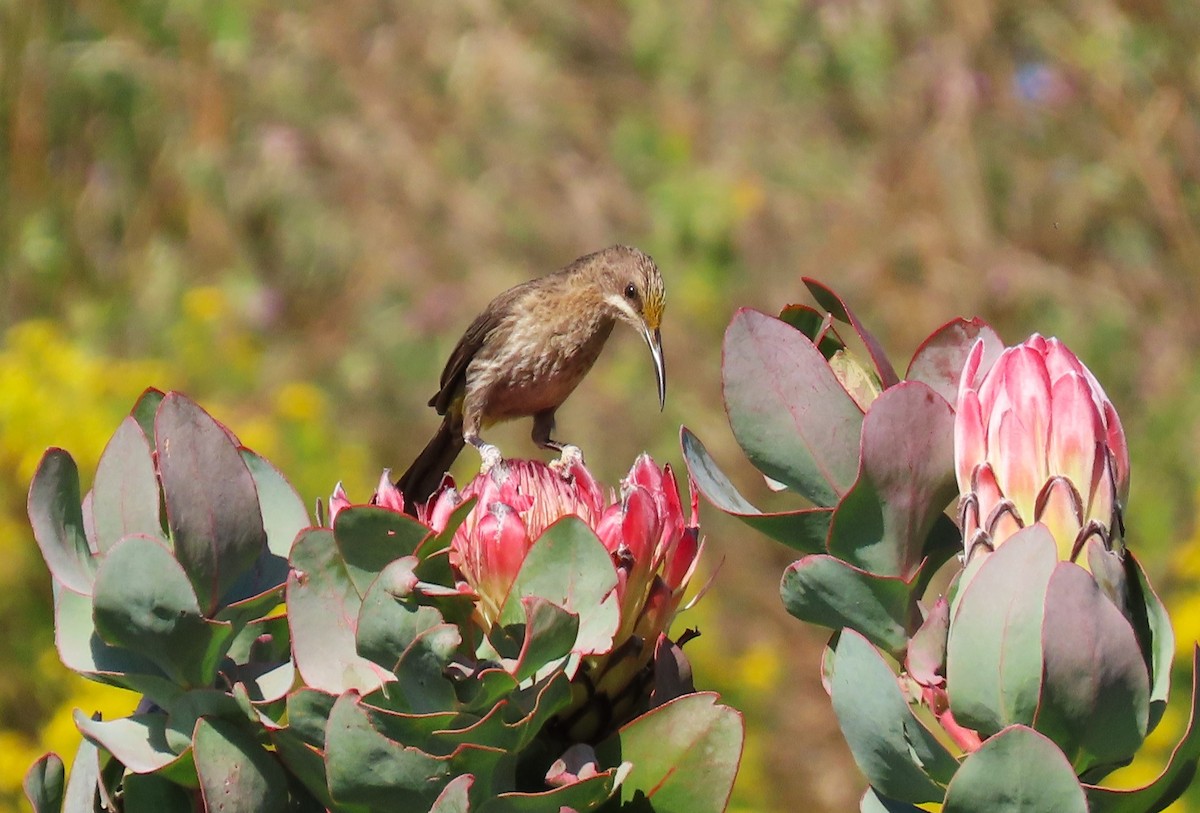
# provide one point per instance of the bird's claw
(567, 458)
(490, 457)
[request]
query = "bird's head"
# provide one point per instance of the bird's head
(633, 288)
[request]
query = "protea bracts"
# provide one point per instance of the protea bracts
(1037, 440)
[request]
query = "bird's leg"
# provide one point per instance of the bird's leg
(472, 422)
(489, 455)
(543, 425)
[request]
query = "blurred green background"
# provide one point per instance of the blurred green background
(291, 211)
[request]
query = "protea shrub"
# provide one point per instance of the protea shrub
(995, 646)
(636, 559)
(371, 661)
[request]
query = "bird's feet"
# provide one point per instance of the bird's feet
(568, 456)
(489, 458)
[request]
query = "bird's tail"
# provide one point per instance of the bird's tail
(426, 472)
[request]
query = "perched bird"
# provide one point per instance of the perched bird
(530, 348)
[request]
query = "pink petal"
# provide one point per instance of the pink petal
(1017, 459)
(641, 528)
(970, 442)
(1027, 385)
(501, 544)
(586, 489)
(1103, 495)
(694, 496)
(387, 495)
(337, 501)
(1060, 361)
(644, 473)
(1061, 510)
(1120, 450)
(681, 559)
(1075, 427)
(441, 508)
(609, 528)
(992, 384)
(575, 765)
(670, 505)
(968, 379)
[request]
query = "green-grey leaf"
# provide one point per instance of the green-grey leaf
(84, 781)
(548, 635)
(873, 802)
(830, 300)
(369, 538)
(306, 763)
(897, 754)
(138, 741)
(387, 625)
(684, 754)
(57, 517)
(212, 503)
(905, 481)
(581, 797)
(791, 416)
(82, 649)
(284, 516)
(994, 652)
(145, 602)
(939, 360)
(145, 409)
(236, 774)
(366, 767)
(323, 607)
(803, 530)
(151, 793)
(812, 322)
(308, 713)
(569, 566)
(1095, 691)
(1153, 626)
(283, 512)
(44, 784)
(1174, 779)
(455, 797)
(824, 590)
(1016, 771)
(421, 671)
(125, 497)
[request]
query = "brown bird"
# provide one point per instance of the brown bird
(530, 348)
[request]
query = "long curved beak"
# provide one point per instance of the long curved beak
(654, 340)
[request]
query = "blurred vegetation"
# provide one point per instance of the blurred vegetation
(292, 210)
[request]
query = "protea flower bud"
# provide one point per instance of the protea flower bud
(653, 549)
(652, 546)
(516, 503)
(1037, 440)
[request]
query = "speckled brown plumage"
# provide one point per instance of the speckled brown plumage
(529, 349)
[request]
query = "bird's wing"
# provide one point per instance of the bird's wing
(455, 372)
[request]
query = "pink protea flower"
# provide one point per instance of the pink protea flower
(653, 548)
(1037, 440)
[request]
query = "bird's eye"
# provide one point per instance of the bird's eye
(630, 291)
